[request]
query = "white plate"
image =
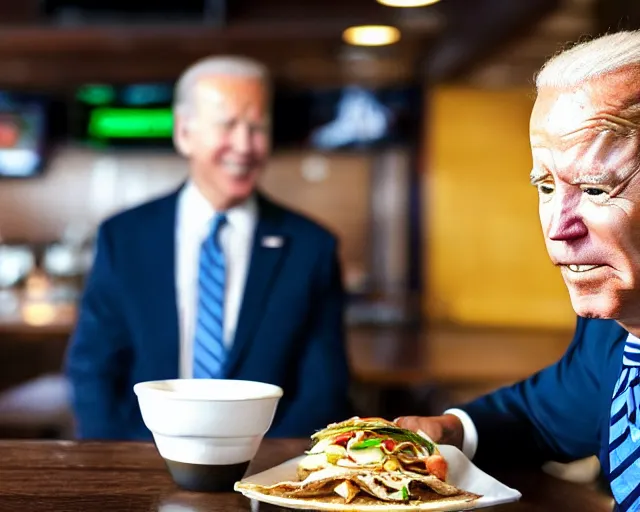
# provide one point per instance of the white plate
(462, 473)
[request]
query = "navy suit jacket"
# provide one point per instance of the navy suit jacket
(290, 328)
(562, 412)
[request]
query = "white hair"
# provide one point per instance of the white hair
(588, 60)
(229, 65)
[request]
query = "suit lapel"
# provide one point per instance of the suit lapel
(163, 297)
(269, 246)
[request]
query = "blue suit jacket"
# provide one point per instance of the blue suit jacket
(290, 326)
(562, 412)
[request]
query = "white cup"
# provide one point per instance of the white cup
(206, 430)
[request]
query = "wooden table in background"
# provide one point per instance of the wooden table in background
(447, 355)
(65, 476)
(30, 348)
(462, 361)
(397, 370)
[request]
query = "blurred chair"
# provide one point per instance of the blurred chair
(38, 408)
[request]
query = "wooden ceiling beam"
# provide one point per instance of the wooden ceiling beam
(309, 64)
(42, 41)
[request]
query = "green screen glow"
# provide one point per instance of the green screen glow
(96, 94)
(114, 123)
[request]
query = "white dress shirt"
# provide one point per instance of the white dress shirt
(470, 433)
(193, 224)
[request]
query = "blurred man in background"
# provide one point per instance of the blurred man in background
(585, 139)
(214, 280)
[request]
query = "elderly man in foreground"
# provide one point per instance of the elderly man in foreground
(585, 140)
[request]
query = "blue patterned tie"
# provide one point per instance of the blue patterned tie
(624, 432)
(209, 352)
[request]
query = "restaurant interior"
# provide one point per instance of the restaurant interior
(413, 149)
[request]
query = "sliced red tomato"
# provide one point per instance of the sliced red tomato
(389, 444)
(343, 438)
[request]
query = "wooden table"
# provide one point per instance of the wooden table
(397, 370)
(445, 355)
(65, 476)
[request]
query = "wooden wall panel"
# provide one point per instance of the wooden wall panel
(82, 187)
(336, 192)
(485, 260)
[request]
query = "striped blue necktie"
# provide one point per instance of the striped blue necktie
(624, 432)
(209, 352)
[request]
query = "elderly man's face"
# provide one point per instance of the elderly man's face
(586, 162)
(226, 137)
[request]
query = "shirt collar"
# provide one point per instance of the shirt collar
(200, 213)
(633, 339)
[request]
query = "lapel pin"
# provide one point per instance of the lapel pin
(272, 242)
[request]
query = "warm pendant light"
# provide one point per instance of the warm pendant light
(407, 3)
(371, 35)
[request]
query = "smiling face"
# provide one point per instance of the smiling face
(586, 163)
(225, 136)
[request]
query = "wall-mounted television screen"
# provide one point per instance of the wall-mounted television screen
(345, 118)
(23, 134)
(132, 115)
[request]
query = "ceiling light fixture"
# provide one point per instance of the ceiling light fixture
(407, 3)
(371, 35)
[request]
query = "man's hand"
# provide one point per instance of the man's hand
(445, 429)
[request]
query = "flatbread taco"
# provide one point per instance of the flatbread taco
(369, 461)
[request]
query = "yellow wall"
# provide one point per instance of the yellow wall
(485, 260)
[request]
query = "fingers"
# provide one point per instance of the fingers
(409, 422)
(428, 425)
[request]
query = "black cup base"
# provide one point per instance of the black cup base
(206, 477)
